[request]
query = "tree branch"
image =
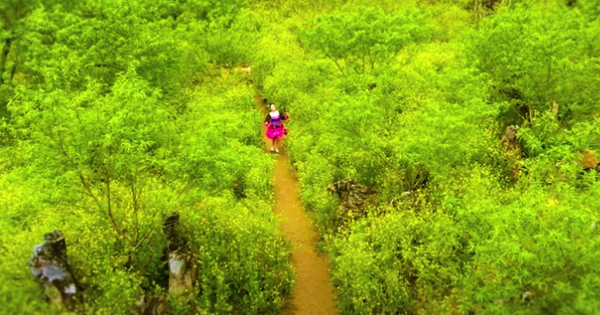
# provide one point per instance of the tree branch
(135, 210)
(12, 72)
(108, 194)
(334, 60)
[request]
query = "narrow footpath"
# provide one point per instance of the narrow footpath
(313, 292)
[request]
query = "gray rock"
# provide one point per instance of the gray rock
(153, 305)
(182, 263)
(354, 197)
(50, 266)
(182, 275)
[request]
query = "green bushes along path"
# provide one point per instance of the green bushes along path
(460, 141)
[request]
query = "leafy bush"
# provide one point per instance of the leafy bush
(243, 267)
(105, 152)
(475, 121)
(431, 120)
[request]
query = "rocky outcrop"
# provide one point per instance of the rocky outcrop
(182, 263)
(511, 144)
(406, 199)
(589, 160)
(153, 305)
(52, 271)
(182, 274)
(354, 197)
(512, 152)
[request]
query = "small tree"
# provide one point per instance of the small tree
(362, 39)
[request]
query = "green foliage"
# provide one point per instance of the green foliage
(117, 114)
(483, 249)
(430, 120)
(362, 38)
(106, 170)
(242, 266)
(109, 134)
(384, 261)
(546, 62)
(538, 241)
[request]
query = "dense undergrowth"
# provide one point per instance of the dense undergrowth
(117, 115)
(418, 97)
(117, 119)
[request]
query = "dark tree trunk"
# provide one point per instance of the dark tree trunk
(12, 72)
(3, 57)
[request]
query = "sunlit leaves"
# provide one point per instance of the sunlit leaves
(360, 39)
(443, 106)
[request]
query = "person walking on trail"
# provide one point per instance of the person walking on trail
(275, 128)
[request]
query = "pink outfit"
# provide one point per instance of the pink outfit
(274, 124)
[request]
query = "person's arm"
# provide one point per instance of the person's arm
(284, 116)
(267, 120)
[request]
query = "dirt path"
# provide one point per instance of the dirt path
(312, 293)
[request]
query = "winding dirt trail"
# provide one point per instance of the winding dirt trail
(313, 292)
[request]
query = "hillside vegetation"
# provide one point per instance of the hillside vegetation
(476, 123)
